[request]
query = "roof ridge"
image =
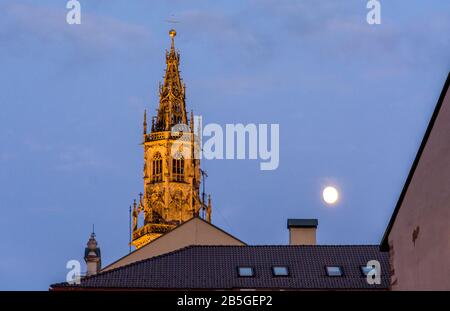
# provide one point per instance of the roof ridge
(286, 245)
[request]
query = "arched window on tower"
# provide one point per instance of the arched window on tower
(157, 168)
(176, 119)
(178, 168)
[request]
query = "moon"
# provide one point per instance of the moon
(330, 195)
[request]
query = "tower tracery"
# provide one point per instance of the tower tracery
(171, 173)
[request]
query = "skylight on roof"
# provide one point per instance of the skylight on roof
(245, 271)
(280, 271)
(365, 270)
(334, 271)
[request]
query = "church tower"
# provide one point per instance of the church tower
(92, 256)
(172, 171)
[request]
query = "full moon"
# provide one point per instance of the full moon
(330, 195)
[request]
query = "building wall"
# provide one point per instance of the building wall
(420, 237)
(192, 232)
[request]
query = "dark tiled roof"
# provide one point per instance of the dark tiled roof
(215, 267)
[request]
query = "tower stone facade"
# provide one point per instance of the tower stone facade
(92, 256)
(172, 171)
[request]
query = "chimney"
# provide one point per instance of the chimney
(302, 231)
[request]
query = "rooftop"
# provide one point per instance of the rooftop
(216, 267)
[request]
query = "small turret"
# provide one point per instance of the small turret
(92, 256)
(208, 209)
(145, 122)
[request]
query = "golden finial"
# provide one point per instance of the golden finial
(172, 34)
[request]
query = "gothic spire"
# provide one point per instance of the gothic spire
(172, 108)
(171, 193)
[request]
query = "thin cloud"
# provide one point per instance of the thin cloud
(26, 25)
(256, 30)
(225, 32)
(45, 209)
(76, 158)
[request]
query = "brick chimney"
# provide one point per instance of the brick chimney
(302, 231)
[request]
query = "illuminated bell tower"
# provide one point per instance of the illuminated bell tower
(171, 164)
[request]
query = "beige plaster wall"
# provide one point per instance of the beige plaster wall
(425, 217)
(192, 232)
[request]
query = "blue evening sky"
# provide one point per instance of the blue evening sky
(352, 101)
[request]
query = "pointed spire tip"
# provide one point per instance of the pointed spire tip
(172, 34)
